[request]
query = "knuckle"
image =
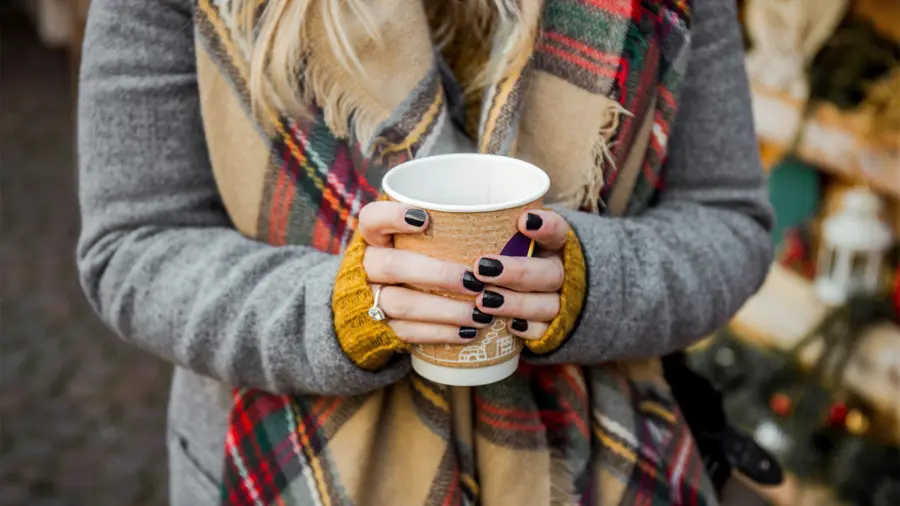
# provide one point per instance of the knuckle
(562, 224)
(559, 275)
(449, 276)
(365, 216)
(443, 275)
(376, 265)
(400, 328)
(395, 302)
(557, 231)
(554, 306)
(531, 273)
(371, 263)
(516, 271)
(369, 218)
(533, 307)
(370, 238)
(514, 303)
(538, 329)
(555, 220)
(391, 264)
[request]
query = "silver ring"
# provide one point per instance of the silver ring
(375, 312)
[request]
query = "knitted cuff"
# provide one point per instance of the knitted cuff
(571, 299)
(368, 343)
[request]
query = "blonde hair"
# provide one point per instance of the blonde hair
(273, 36)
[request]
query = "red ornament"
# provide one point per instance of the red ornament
(837, 415)
(781, 404)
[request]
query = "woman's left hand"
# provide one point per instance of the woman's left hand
(526, 289)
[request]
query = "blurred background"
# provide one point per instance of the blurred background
(810, 367)
(82, 414)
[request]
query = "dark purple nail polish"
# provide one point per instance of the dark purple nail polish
(490, 267)
(415, 217)
(533, 222)
(470, 282)
(478, 316)
(468, 332)
(491, 299)
(519, 325)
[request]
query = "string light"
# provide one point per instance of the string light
(856, 422)
(781, 404)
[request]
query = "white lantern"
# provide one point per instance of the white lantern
(854, 243)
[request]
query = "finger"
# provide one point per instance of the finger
(428, 333)
(546, 227)
(527, 329)
(405, 304)
(541, 307)
(392, 267)
(520, 273)
(379, 220)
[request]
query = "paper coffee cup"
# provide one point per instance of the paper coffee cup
(474, 202)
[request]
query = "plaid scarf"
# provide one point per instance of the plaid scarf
(592, 104)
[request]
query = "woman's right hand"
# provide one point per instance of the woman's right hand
(415, 316)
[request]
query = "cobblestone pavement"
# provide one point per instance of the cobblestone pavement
(83, 414)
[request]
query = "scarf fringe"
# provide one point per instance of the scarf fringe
(343, 111)
(562, 480)
(587, 194)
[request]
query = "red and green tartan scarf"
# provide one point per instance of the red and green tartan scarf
(592, 103)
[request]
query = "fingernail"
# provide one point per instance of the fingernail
(415, 217)
(490, 267)
(519, 325)
(533, 222)
(471, 282)
(478, 316)
(468, 332)
(491, 299)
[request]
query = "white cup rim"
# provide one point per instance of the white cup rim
(540, 190)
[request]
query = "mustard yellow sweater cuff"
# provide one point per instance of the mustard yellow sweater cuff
(571, 299)
(368, 343)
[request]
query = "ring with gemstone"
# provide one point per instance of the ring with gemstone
(376, 312)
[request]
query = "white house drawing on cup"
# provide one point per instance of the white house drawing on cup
(476, 353)
(504, 344)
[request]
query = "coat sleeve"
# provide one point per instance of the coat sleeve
(158, 257)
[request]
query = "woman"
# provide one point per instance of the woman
(229, 150)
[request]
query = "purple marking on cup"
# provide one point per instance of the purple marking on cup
(519, 246)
